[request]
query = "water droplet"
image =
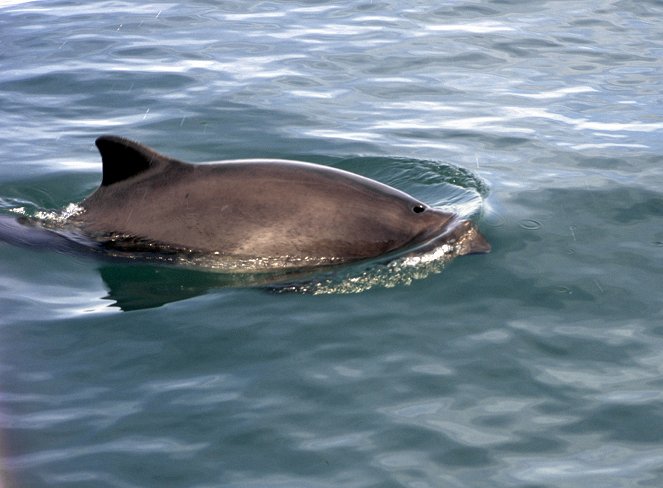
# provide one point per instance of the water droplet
(572, 228)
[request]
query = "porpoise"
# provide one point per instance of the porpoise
(255, 214)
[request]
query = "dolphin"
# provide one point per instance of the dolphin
(253, 215)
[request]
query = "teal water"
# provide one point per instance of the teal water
(538, 365)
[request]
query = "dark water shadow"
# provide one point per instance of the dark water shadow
(141, 286)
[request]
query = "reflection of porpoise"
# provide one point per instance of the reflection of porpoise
(261, 213)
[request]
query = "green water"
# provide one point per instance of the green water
(537, 365)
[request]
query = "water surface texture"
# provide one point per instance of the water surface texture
(538, 365)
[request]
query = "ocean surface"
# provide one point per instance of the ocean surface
(537, 365)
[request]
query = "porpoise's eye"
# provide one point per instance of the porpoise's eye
(418, 208)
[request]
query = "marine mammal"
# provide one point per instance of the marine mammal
(251, 215)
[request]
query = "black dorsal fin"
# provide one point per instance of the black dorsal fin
(123, 158)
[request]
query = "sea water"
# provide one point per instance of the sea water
(537, 365)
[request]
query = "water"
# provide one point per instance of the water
(538, 365)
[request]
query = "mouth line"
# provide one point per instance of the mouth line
(461, 234)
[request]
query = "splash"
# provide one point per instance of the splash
(61, 217)
(402, 271)
(49, 217)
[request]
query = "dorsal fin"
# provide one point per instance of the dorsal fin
(123, 158)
